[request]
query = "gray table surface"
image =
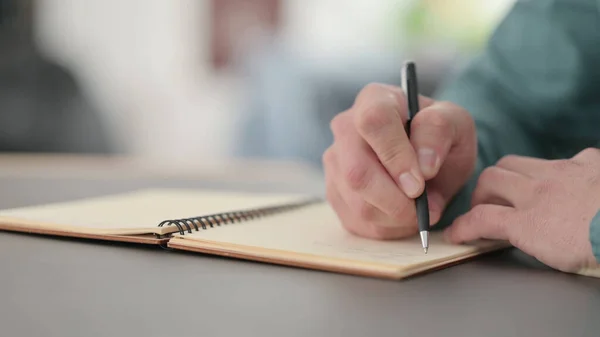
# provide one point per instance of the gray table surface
(65, 287)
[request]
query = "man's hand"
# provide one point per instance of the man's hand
(542, 207)
(373, 171)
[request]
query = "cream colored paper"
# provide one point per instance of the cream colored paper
(313, 236)
(137, 212)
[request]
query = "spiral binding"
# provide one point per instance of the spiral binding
(218, 219)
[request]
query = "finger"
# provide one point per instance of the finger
(482, 222)
(445, 133)
(333, 195)
(587, 155)
(433, 132)
(362, 174)
(329, 162)
(380, 121)
(529, 166)
(500, 186)
(356, 215)
(365, 220)
(437, 204)
(400, 96)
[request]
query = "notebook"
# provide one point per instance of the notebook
(282, 229)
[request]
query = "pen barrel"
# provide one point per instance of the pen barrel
(412, 93)
(422, 212)
(412, 89)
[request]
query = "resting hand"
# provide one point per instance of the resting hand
(543, 207)
(373, 171)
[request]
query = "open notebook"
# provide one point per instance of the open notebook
(291, 230)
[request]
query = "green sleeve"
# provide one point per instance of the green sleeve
(595, 236)
(533, 89)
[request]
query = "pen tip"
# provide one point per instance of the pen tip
(425, 240)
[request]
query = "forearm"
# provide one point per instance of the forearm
(529, 91)
(502, 126)
(501, 130)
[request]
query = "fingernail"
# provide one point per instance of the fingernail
(428, 160)
(409, 184)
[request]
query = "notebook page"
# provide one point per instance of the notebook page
(316, 231)
(137, 212)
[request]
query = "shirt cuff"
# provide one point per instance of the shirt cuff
(595, 236)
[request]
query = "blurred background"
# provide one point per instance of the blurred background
(214, 79)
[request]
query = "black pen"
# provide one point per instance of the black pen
(411, 90)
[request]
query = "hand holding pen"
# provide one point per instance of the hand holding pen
(378, 166)
(411, 91)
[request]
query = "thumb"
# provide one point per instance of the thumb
(482, 222)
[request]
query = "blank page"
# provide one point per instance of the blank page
(137, 212)
(316, 233)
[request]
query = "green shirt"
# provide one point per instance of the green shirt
(535, 89)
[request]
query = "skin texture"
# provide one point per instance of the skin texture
(543, 207)
(374, 171)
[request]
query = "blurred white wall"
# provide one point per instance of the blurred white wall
(323, 29)
(145, 62)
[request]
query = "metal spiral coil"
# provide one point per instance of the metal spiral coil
(218, 219)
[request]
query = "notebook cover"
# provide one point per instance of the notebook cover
(328, 264)
(142, 238)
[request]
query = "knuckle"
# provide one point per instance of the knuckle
(520, 235)
(483, 216)
(589, 153)
(357, 177)
(506, 160)
(561, 165)
(437, 120)
(366, 211)
(477, 215)
(373, 118)
(433, 125)
(395, 155)
(454, 108)
(544, 187)
(371, 91)
(488, 175)
(328, 157)
(403, 212)
(379, 233)
(338, 124)
(448, 105)
(516, 241)
(451, 117)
